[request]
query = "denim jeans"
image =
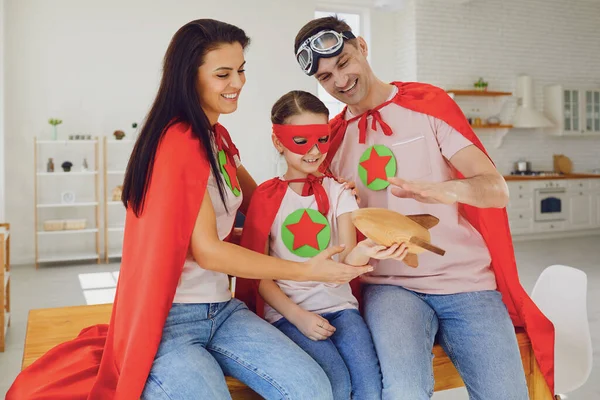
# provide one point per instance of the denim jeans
(348, 357)
(473, 328)
(203, 342)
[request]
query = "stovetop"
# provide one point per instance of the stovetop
(535, 173)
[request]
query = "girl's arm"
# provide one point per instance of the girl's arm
(310, 324)
(361, 253)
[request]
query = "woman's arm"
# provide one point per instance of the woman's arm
(216, 255)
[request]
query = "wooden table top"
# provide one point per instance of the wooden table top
(48, 327)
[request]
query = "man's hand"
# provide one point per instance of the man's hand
(425, 192)
(351, 185)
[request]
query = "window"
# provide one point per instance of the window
(356, 21)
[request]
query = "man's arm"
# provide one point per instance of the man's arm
(482, 187)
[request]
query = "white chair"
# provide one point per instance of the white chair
(561, 294)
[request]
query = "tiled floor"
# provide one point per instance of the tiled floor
(87, 284)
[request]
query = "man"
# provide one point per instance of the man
(406, 145)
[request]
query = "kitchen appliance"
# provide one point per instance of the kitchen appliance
(550, 203)
(536, 173)
(526, 116)
(522, 166)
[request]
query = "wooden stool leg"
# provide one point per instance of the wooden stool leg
(538, 389)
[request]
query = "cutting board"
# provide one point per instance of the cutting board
(562, 164)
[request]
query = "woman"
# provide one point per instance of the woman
(174, 334)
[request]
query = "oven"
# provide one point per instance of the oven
(550, 204)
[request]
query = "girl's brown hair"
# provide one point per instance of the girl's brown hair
(294, 103)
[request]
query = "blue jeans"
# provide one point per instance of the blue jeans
(474, 329)
(348, 357)
(203, 342)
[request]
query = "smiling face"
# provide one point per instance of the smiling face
(347, 76)
(220, 80)
(302, 165)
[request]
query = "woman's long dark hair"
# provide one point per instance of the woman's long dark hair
(177, 101)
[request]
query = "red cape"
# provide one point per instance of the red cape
(113, 361)
(261, 213)
(492, 223)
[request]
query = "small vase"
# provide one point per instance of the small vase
(54, 132)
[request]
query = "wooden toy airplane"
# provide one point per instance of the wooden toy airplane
(386, 227)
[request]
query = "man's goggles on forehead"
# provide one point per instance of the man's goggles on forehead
(324, 44)
(307, 135)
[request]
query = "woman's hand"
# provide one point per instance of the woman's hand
(312, 325)
(370, 249)
(322, 268)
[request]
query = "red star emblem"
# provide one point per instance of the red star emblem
(375, 166)
(232, 174)
(305, 232)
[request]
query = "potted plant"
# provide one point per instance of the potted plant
(54, 122)
(481, 85)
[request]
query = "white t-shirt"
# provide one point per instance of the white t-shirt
(316, 297)
(198, 285)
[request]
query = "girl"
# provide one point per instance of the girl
(297, 216)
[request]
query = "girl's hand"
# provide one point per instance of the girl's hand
(373, 250)
(313, 326)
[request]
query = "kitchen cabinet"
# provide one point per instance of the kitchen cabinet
(575, 111)
(592, 111)
(520, 207)
(581, 204)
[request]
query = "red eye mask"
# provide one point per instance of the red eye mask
(311, 133)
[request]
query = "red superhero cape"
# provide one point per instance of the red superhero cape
(492, 223)
(263, 208)
(113, 361)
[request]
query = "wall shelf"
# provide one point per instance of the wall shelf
(58, 173)
(66, 141)
(68, 257)
(499, 132)
(68, 231)
(477, 93)
(493, 127)
(56, 205)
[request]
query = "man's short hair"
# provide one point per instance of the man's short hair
(321, 24)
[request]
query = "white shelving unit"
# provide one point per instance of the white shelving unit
(116, 156)
(50, 184)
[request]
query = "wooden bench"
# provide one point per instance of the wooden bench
(49, 327)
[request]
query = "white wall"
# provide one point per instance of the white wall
(2, 167)
(554, 41)
(406, 42)
(96, 65)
